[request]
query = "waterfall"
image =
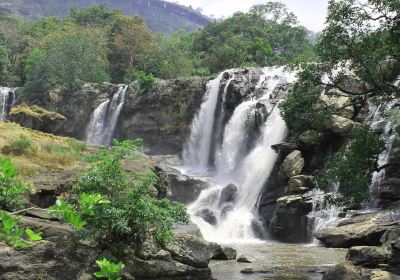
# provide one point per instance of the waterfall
(197, 152)
(104, 119)
(7, 97)
(225, 211)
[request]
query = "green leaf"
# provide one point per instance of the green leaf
(33, 236)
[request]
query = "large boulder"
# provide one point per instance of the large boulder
(225, 253)
(342, 271)
(290, 222)
(354, 85)
(339, 124)
(370, 256)
(360, 230)
(191, 250)
(292, 165)
(60, 255)
(228, 194)
(383, 275)
(339, 105)
(207, 215)
(300, 184)
(389, 69)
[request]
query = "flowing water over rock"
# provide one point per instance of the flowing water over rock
(242, 161)
(7, 99)
(104, 119)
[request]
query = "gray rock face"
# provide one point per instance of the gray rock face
(59, 256)
(225, 253)
(369, 256)
(292, 165)
(360, 230)
(300, 184)
(290, 222)
(191, 250)
(353, 84)
(339, 105)
(228, 194)
(339, 124)
(343, 271)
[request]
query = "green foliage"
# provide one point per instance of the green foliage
(264, 36)
(351, 168)
(64, 59)
(362, 36)
(14, 235)
(146, 81)
(93, 16)
(109, 270)
(11, 189)
(20, 146)
(301, 110)
(128, 209)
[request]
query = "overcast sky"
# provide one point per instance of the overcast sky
(311, 13)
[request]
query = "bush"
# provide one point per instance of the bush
(20, 146)
(351, 169)
(11, 189)
(146, 81)
(115, 207)
(108, 269)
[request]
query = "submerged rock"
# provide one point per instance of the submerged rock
(343, 271)
(225, 253)
(370, 256)
(244, 259)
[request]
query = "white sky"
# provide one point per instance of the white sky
(311, 13)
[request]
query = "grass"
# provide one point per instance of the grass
(33, 151)
(35, 112)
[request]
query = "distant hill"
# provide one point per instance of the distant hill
(160, 16)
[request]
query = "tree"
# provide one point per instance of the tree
(129, 40)
(94, 16)
(63, 60)
(267, 35)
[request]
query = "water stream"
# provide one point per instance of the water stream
(239, 173)
(7, 99)
(104, 119)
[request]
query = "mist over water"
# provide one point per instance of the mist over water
(245, 168)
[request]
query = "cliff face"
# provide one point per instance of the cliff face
(160, 116)
(161, 16)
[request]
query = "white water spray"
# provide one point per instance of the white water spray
(246, 169)
(104, 119)
(7, 99)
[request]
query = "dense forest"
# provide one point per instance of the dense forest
(96, 44)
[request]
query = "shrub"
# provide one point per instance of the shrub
(20, 146)
(109, 270)
(11, 189)
(15, 236)
(351, 168)
(146, 81)
(114, 207)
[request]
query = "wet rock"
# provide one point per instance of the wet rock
(383, 275)
(343, 271)
(208, 216)
(370, 256)
(247, 270)
(226, 209)
(292, 165)
(225, 253)
(339, 105)
(339, 125)
(290, 222)
(285, 148)
(360, 230)
(244, 259)
(300, 184)
(191, 250)
(311, 137)
(228, 194)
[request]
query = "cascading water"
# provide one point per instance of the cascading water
(7, 97)
(240, 172)
(104, 119)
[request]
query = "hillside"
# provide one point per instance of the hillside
(161, 16)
